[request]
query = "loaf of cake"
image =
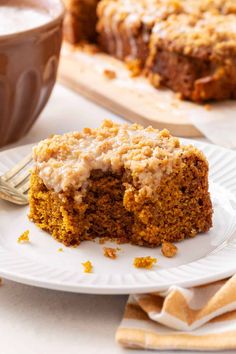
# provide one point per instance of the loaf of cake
(121, 182)
(151, 33)
(195, 57)
(80, 21)
(125, 26)
(174, 42)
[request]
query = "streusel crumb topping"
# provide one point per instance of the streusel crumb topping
(136, 12)
(211, 36)
(65, 162)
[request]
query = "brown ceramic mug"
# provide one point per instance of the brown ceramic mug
(28, 69)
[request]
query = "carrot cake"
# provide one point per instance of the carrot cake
(121, 182)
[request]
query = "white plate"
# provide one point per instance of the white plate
(208, 257)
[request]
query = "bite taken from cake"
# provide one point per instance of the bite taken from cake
(123, 182)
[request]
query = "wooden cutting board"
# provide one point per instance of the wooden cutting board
(132, 98)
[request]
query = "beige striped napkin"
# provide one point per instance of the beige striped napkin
(201, 318)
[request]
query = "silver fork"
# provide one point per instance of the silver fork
(14, 184)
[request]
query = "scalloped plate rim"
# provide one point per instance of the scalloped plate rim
(94, 288)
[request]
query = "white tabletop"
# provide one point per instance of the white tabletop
(40, 321)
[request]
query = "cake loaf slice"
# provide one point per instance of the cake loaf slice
(123, 182)
(124, 26)
(80, 21)
(195, 56)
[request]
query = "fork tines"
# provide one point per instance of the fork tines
(14, 184)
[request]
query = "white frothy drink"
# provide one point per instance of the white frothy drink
(15, 19)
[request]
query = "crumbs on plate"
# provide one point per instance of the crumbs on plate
(60, 250)
(110, 252)
(168, 249)
(24, 238)
(144, 262)
(88, 267)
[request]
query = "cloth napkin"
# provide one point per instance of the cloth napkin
(201, 318)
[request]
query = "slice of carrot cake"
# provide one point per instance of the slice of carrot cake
(119, 181)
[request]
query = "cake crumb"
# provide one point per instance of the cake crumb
(60, 249)
(134, 66)
(155, 79)
(110, 74)
(208, 107)
(144, 262)
(24, 238)
(88, 267)
(179, 96)
(168, 249)
(110, 252)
